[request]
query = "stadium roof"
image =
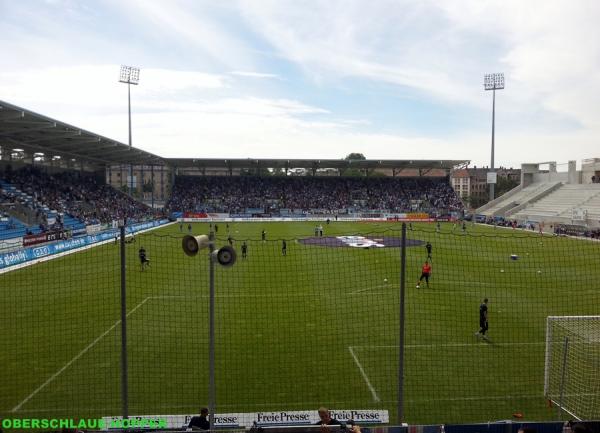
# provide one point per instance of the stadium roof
(317, 163)
(35, 133)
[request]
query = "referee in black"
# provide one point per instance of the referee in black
(428, 247)
(483, 320)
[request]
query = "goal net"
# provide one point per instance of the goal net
(572, 368)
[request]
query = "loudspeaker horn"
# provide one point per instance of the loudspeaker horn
(226, 256)
(192, 244)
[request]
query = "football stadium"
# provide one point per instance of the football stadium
(314, 294)
(150, 285)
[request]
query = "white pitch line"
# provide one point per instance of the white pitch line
(75, 358)
(381, 286)
(364, 375)
(496, 397)
(248, 295)
(452, 345)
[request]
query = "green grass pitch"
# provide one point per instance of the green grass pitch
(319, 326)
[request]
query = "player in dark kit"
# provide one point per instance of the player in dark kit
(428, 247)
(283, 248)
(483, 320)
(144, 261)
(263, 235)
(244, 250)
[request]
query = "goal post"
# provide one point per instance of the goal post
(572, 366)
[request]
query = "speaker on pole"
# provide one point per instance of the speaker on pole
(193, 244)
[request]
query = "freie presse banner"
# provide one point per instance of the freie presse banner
(46, 237)
(241, 420)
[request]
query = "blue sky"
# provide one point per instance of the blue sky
(314, 79)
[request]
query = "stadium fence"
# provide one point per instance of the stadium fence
(332, 320)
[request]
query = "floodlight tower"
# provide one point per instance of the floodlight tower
(493, 82)
(129, 75)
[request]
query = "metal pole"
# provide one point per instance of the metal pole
(562, 379)
(492, 186)
(124, 375)
(401, 333)
(129, 112)
(152, 181)
(162, 183)
(211, 334)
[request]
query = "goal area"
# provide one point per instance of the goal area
(572, 367)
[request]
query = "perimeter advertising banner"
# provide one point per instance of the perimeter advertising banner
(46, 237)
(27, 254)
(262, 419)
(198, 215)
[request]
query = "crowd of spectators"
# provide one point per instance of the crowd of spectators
(556, 229)
(236, 194)
(576, 230)
(71, 193)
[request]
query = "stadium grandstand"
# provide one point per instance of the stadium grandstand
(558, 201)
(52, 177)
(58, 177)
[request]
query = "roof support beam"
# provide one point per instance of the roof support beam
(62, 153)
(7, 116)
(24, 130)
(51, 137)
(71, 142)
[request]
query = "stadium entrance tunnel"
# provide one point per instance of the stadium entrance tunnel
(360, 241)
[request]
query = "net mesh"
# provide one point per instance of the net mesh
(573, 363)
(318, 325)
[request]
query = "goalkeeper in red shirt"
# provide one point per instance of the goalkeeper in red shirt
(425, 273)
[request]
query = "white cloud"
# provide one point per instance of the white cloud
(262, 128)
(195, 26)
(428, 53)
(95, 89)
(255, 74)
(549, 51)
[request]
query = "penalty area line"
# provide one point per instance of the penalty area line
(75, 358)
(364, 375)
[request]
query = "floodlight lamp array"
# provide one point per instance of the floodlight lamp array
(129, 75)
(493, 81)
